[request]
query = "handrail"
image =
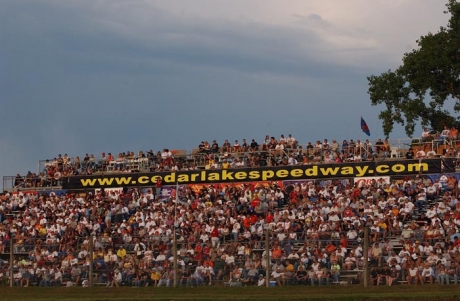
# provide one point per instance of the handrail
(199, 159)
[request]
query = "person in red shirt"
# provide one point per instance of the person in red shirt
(198, 251)
(215, 236)
(269, 217)
(206, 251)
(276, 252)
(247, 222)
(456, 242)
(208, 261)
(343, 241)
(158, 185)
(255, 202)
(348, 212)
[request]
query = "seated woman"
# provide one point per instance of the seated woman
(235, 275)
(350, 262)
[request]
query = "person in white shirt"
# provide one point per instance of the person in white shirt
(208, 273)
(431, 153)
(412, 277)
(117, 278)
(420, 154)
(445, 133)
(426, 274)
(392, 257)
(292, 160)
(278, 276)
(57, 277)
(443, 181)
(261, 280)
(291, 141)
(431, 212)
(279, 149)
(425, 134)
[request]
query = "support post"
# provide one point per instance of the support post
(11, 261)
(267, 255)
(366, 255)
(91, 260)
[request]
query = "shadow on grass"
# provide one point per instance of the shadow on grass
(338, 293)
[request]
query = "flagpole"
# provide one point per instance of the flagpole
(175, 237)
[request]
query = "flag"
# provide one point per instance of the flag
(364, 127)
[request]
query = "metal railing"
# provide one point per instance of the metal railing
(95, 259)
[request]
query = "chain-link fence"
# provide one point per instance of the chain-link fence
(117, 259)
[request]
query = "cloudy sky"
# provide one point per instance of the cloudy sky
(81, 76)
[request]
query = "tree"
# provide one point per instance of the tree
(429, 76)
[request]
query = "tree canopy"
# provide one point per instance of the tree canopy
(429, 76)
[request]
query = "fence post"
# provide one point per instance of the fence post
(267, 254)
(11, 260)
(366, 255)
(91, 258)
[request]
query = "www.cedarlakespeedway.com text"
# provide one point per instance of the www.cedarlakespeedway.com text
(224, 175)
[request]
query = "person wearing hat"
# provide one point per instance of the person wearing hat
(261, 280)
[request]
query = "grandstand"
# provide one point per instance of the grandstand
(112, 220)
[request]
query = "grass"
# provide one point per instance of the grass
(339, 293)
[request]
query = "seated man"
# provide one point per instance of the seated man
(226, 147)
(374, 276)
(291, 142)
(252, 275)
(425, 135)
(214, 147)
(75, 273)
(379, 146)
(441, 275)
(26, 275)
(431, 154)
(410, 153)
(445, 133)
(166, 278)
(453, 134)
(253, 146)
(236, 148)
(278, 276)
(261, 280)
(197, 278)
(420, 154)
(186, 277)
(208, 273)
(393, 276)
(301, 275)
(383, 274)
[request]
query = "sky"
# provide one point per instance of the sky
(93, 76)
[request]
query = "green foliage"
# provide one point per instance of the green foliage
(430, 75)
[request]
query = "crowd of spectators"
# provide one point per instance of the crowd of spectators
(316, 232)
(271, 152)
